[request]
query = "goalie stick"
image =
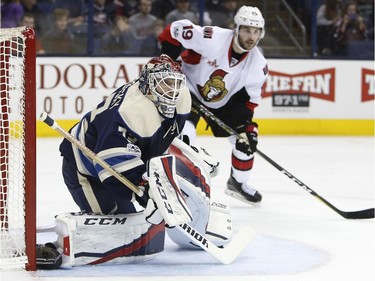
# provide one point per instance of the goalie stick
(226, 254)
(362, 214)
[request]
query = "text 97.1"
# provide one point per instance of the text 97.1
(298, 100)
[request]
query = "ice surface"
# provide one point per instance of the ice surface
(299, 237)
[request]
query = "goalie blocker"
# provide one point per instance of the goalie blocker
(180, 185)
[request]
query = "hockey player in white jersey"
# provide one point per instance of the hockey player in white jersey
(225, 71)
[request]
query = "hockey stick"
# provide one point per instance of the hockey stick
(363, 214)
(225, 255)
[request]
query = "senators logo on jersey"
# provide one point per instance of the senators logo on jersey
(214, 89)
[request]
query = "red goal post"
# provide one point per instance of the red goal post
(17, 148)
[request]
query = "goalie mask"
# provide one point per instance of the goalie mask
(161, 80)
(248, 16)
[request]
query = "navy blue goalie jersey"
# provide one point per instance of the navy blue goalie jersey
(125, 130)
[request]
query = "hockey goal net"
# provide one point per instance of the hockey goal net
(17, 148)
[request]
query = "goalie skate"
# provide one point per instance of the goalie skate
(243, 192)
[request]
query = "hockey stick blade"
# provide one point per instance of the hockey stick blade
(226, 254)
(363, 214)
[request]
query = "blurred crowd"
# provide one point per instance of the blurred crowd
(131, 27)
(345, 28)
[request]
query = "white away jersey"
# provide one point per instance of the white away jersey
(213, 76)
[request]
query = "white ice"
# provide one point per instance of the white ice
(299, 237)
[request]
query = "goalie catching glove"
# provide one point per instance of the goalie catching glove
(249, 139)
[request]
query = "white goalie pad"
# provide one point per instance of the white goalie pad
(165, 192)
(199, 206)
(210, 162)
(117, 239)
(199, 155)
(194, 180)
(215, 222)
(219, 228)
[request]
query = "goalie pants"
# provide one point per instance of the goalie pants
(92, 197)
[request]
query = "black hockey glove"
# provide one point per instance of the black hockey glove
(249, 139)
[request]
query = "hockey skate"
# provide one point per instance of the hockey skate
(243, 192)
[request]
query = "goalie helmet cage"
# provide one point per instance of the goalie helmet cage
(17, 148)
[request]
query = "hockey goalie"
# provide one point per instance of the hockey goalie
(179, 188)
(133, 131)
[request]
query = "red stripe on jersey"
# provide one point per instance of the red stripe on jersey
(242, 165)
(191, 57)
(166, 36)
(251, 106)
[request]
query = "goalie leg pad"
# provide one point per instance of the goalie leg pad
(219, 228)
(165, 191)
(199, 205)
(215, 221)
(94, 239)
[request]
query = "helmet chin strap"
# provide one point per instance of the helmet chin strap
(237, 43)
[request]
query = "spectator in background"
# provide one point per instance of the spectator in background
(103, 13)
(76, 8)
(77, 22)
(213, 5)
(59, 39)
(102, 23)
(351, 28)
(141, 24)
(182, 11)
(327, 17)
(126, 8)
(160, 8)
(119, 40)
(28, 19)
(42, 11)
(11, 13)
(151, 45)
(222, 13)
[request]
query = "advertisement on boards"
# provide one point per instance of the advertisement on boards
(310, 89)
(298, 90)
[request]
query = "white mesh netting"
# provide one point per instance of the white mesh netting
(12, 152)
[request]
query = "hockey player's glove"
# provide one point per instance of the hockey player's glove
(249, 139)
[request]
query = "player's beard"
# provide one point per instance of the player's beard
(247, 44)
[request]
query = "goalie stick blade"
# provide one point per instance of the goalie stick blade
(364, 214)
(227, 254)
